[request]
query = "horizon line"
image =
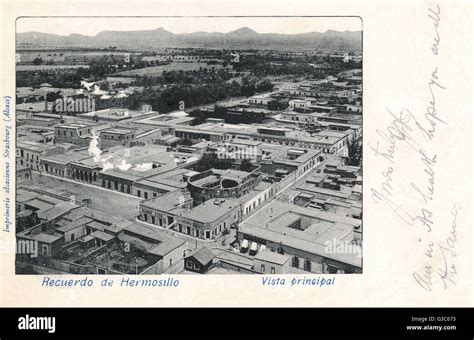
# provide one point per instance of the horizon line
(185, 33)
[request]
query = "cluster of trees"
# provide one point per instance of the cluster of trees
(200, 76)
(71, 77)
(171, 97)
(264, 65)
(61, 78)
(246, 165)
(37, 61)
(53, 96)
(354, 152)
(250, 86)
(165, 93)
(277, 105)
(40, 61)
(210, 161)
(230, 117)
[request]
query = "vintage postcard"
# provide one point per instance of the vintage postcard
(236, 154)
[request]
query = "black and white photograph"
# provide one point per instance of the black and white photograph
(202, 163)
(189, 145)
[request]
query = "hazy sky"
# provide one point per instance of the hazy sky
(92, 26)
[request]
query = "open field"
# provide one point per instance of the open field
(47, 67)
(156, 71)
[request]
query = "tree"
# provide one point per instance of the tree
(104, 86)
(277, 105)
(354, 149)
(37, 61)
(210, 161)
(246, 165)
(52, 96)
(220, 110)
(264, 86)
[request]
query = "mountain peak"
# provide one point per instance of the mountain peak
(244, 31)
(162, 30)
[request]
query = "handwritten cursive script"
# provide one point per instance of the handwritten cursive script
(412, 133)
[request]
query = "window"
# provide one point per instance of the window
(189, 264)
(72, 237)
(332, 269)
(139, 193)
(272, 270)
(262, 268)
(196, 266)
(146, 195)
(307, 265)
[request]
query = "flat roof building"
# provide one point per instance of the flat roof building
(312, 238)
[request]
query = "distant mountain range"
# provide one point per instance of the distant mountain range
(242, 38)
